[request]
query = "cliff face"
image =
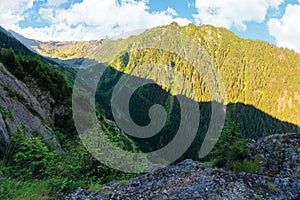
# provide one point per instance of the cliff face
(20, 109)
(4, 138)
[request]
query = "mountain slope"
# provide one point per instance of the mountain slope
(33, 92)
(41, 154)
(20, 109)
(254, 72)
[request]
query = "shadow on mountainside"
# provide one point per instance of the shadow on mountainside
(253, 122)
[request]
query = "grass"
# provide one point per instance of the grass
(95, 187)
(187, 171)
(245, 166)
(13, 189)
(106, 193)
(272, 187)
(123, 182)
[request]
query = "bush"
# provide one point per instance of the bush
(27, 158)
(231, 152)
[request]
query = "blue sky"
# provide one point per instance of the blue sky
(274, 21)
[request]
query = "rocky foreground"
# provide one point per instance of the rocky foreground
(279, 178)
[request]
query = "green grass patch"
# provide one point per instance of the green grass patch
(272, 187)
(13, 189)
(245, 166)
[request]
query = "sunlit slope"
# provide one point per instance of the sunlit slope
(253, 72)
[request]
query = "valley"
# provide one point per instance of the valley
(43, 154)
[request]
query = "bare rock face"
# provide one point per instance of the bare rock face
(47, 104)
(19, 108)
(4, 138)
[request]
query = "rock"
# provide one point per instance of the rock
(278, 154)
(21, 109)
(4, 138)
(173, 182)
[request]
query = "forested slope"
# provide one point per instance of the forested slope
(254, 72)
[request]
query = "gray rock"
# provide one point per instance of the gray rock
(173, 182)
(4, 138)
(25, 109)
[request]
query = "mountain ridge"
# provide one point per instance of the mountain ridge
(254, 73)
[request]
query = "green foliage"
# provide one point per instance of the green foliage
(187, 171)
(219, 191)
(8, 41)
(30, 168)
(14, 189)
(231, 152)
(226, 148)
(244, 166)
(33, 71)
(27, 157)
(249, 78)
(123, 182)
(29, 163)
(6, 114)
(95, 187)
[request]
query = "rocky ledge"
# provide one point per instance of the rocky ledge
(279, 178)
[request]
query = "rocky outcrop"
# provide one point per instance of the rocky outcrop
(47, 104)
(278, 154)
(192, 180)
(19, 108)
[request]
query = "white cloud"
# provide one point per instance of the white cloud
(95, 19)
(11, 12)
(233, 13)
(56, 3)
(286, 29)
(171, 11)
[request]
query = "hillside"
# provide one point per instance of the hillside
(41, 154)
(260, 80)
(253, 72)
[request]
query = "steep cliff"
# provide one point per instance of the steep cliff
(20, 109)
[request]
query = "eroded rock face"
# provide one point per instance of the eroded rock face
(20, 108)
(4, 138)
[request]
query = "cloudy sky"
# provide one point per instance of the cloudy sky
(275, 21)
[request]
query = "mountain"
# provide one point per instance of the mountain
(29, 94)
(29, 43)
(253, 72)
(18, 106)
(42, 155)
(260, 80)
(9, 41)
